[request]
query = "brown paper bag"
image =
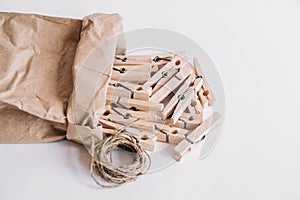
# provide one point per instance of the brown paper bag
(44, 62)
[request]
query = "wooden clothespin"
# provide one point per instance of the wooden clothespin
(146, 116)
(135, 74)
(163, 58)
(163, 73)
(203, 99)
(206, 92)
(168, 134)
(131, 60)
(146, 140)
(154, 59)
(172, 84)
(134, 104)
(187, 121)
(126, 120)
(129, 90)
(164, 132)
(185, 99)
(166, 76)
(191, 116)
(169, 108)
(195, 107)
(195, 137)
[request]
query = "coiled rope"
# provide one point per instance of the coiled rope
(102, 164)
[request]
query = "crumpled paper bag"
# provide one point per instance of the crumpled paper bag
(54, 74)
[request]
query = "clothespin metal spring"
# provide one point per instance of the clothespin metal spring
(122, 59)
(121, 70)
(123, 86)
(157, 59)
(162, 131)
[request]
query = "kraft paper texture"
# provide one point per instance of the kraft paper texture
(54, 74)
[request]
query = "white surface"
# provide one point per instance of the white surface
(255, 45)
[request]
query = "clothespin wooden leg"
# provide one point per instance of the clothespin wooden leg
(194, 137)
(206, 90)
(187, 96)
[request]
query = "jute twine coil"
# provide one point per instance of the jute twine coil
(102, 164)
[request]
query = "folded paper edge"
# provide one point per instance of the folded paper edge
(101, 36)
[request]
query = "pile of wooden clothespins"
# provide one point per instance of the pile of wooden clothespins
(159, 97)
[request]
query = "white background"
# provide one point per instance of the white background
(255, 46)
